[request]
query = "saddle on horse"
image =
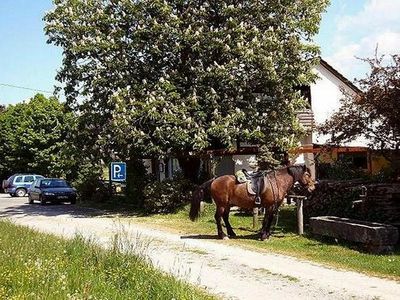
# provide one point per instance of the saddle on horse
(254, 180)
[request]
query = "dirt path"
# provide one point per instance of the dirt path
(227, 271)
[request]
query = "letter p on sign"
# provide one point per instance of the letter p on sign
(118, 171)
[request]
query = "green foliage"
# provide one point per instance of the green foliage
(40, 266)
(33, 137)
(339, 170)
(174, 77)
(88, 183)
(167, 196)
(342, 170)
(386, 175)
(43, 136)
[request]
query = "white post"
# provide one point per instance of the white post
(299, 206)
(255, 217)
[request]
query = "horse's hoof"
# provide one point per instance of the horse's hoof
(225, 238)
(264, 237)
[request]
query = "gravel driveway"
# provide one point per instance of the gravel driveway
(227, 271)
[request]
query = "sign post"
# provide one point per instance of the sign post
(117, 173)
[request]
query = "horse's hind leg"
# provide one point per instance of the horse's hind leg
(229, 229)
(218, 214)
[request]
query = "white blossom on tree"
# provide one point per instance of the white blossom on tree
(173, 77)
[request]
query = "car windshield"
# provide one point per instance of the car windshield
(53, 183)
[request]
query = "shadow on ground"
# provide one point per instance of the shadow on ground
(200, 237)
(14, 207)
(49, 210)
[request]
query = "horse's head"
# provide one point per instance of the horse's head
(302, 174)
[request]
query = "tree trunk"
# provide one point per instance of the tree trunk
(135, 181)
(190, 167)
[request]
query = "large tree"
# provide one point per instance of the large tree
(176, 77)
(33, 137)
(372, 114)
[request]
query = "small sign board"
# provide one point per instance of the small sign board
(118, 171)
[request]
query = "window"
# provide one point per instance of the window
(305, 92)
(357, 160)
(29, 179)
(18, 179)
(53, 183)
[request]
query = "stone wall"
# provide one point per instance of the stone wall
(382, 203)
(333, 198)
(341, 199)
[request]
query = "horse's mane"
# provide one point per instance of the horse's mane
(297, 171)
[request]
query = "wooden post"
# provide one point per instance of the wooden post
(299, 206)
(110, 189)
(255, 217)
(201, 206)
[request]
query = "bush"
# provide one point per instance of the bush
(89, 185)
(167, 196)
(339, 171)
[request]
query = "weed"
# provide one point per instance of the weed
(41, 266)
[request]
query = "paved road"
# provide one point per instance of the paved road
(227, 271)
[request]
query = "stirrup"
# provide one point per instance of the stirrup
(257, 201)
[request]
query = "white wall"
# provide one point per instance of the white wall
(306, 158)
(325, 100)
(241, 162)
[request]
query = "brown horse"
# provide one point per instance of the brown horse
(226, 192)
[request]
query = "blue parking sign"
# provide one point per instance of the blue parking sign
(118, 171)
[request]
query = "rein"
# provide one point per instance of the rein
(276, 208)
(272, 186)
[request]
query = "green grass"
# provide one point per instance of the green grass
(284, 240)
(41, 266)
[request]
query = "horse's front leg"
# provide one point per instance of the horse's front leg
(266, 226)
(229, 229)
(218, 215)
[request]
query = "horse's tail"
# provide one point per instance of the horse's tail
(199, 194)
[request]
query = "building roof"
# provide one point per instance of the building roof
(339, 76)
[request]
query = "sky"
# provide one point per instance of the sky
(349, 29)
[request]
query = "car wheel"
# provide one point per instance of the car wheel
(42, 201)
(20, 192)
(30, 199)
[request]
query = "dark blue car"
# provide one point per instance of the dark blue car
(51, 190)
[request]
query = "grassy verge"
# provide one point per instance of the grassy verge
(41, 266)
(284, 241)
